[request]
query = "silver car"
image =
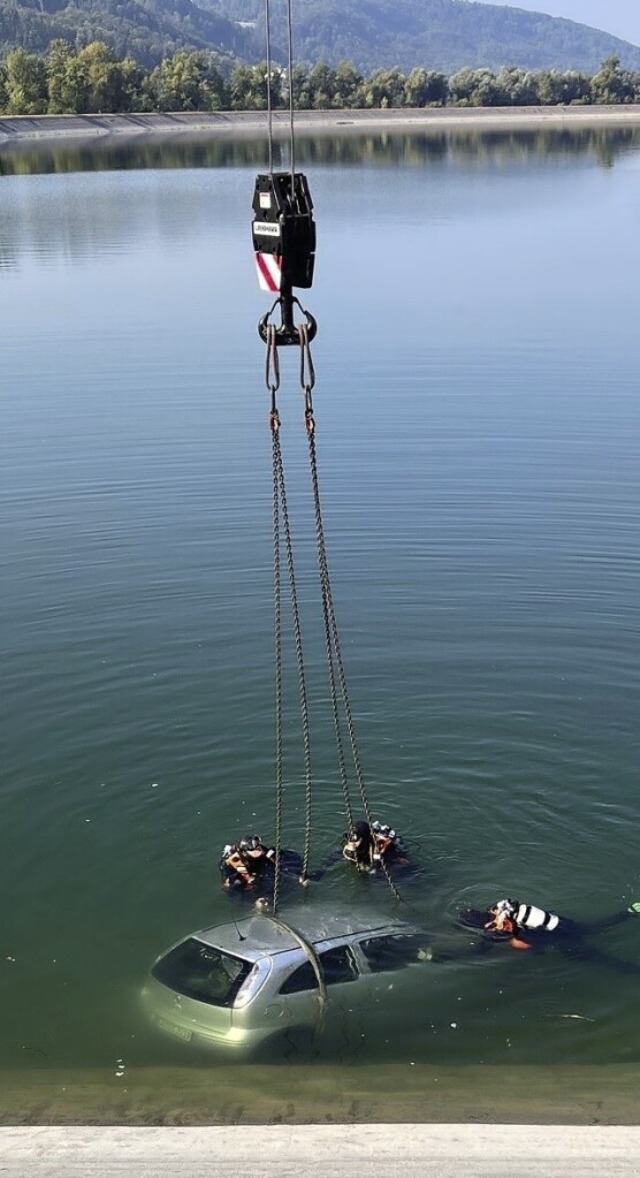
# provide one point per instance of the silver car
(264, 982)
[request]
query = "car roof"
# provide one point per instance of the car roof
(259, 934)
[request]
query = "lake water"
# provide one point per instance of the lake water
(478, 425)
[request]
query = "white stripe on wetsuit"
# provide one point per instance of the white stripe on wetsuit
(530, 917)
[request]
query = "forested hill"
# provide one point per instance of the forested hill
(439, 34)
(146, 30)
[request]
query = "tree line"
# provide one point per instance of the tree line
(92, 80)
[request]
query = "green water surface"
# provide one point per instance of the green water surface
(478, 429)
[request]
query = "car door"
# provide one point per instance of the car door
(300, 993)
(394, 967)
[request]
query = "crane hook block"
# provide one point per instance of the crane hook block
(284, 232)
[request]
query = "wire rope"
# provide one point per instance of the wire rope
(282, 534)
(292, 150)
(267, 21)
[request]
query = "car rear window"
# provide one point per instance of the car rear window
(392, 951)
(199, 971)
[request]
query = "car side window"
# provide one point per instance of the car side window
(392, 952)
(338, 965)
(302, 978)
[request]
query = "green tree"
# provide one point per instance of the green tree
(25, 84)
(426, 88)
(550, 87)
(300, 88)
(489, 91)
(241, 88)
(3, 86)
(184, 82)
(177, 83)
(56, 65)
(90, 81)
(347, 86)
(612, 84)
(576, 88)
(518, 87)
(75, 86)
(249, 87)
(322, 87)
(462, 87)
(477, 88)
(112, 85)
(385, 88)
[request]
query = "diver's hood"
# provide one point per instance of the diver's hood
(473, 918)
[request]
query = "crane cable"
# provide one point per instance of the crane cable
(267, 22)
(284, 246)
(292, 148)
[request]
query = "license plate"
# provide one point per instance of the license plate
(173, 1029)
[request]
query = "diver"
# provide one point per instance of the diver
(243, 864)
(525, 926)
(247, 866)
(372, 847)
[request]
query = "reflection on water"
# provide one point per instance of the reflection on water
(387, 149)
(478, 428)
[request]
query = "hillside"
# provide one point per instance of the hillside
(439, 34)
(146, 30)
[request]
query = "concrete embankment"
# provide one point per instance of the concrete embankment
(338, 1151)
(238, 124)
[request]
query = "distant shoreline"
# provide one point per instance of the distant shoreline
(24, 130)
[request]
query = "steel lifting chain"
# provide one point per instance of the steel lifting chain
(307, 382)
(272, 376)
(302, 687)
(282, 527)
(334, 652)
(284, 242)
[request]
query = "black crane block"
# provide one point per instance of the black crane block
(286, 332)
(284, 232)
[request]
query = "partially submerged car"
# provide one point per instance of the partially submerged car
(264, 981)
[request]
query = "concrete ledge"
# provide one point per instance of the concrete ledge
(408, 1151)
(251, 124)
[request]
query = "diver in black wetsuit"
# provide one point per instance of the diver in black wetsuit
(369, 847)
(525, 926)
(248, 867)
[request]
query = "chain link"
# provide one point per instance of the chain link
(302, 685)
(277, 611)
(337, 676)
(332, 636)
(272, 361)
(282, 530)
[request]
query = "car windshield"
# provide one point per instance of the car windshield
(199, 971)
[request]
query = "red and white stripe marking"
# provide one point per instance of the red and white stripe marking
(269, 267)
